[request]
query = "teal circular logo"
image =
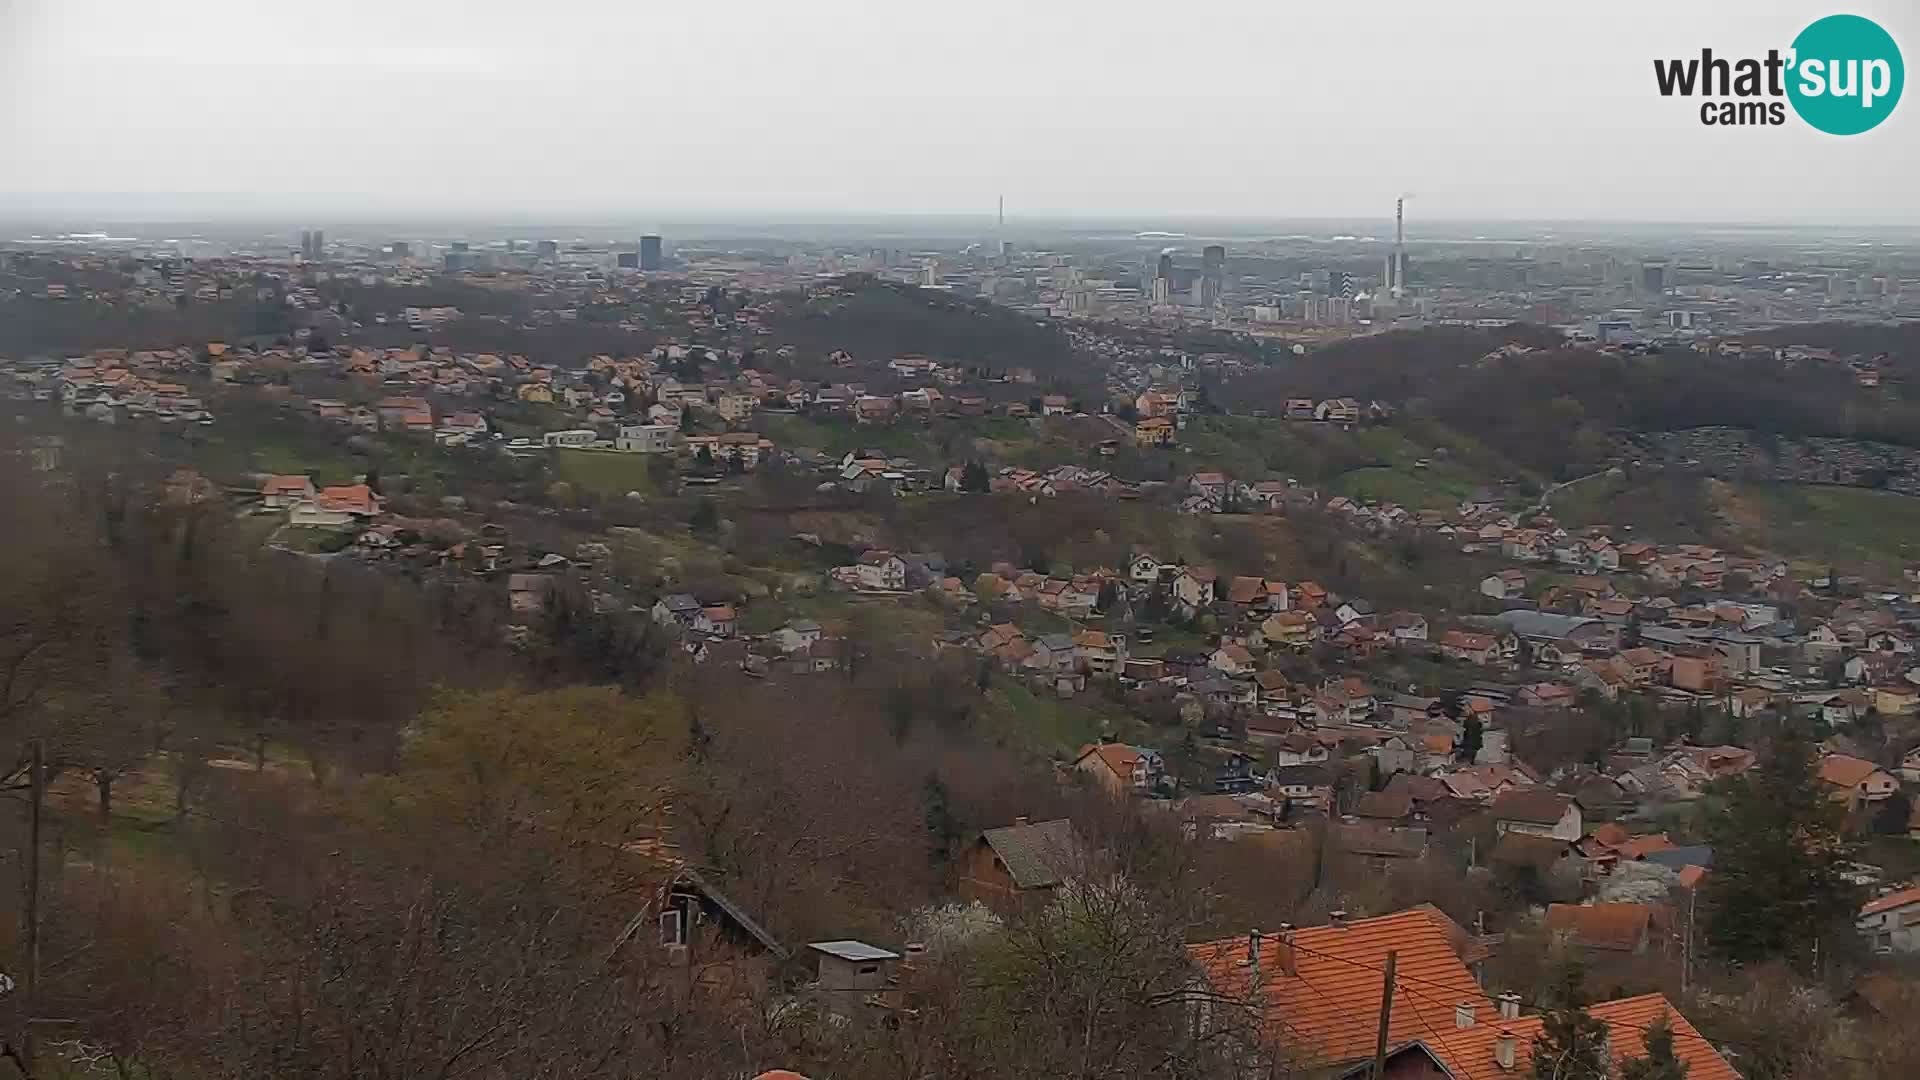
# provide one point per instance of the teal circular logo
(1846, 75)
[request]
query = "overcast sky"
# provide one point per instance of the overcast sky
(1274, 109)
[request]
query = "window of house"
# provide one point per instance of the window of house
(673, 927)
(869, 969)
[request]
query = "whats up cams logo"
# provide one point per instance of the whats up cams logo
(1843, 75)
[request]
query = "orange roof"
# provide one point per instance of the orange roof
(1841, 770)
(1245, 590)
(1469, 1052)
(353, 498)
(1893, 900)
(1118, 757)
(1601, 926)
(1691, 876)
(1322, 989)
(1463, 639)
(1642, 846)
(1612, 834)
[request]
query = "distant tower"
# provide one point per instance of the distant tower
(1000, 242)
(1399, 282)
(547, 249)
(650, 252)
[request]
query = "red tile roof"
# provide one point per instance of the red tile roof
(1892, 900)
(1602, 926)
(1320, 993)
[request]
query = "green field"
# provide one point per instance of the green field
(1018, 717)
(606, 473)
(1849, 526)
(1378, 462)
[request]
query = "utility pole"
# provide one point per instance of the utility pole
(37, 786)
(1386, 1017)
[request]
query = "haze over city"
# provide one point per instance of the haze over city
(761, 110)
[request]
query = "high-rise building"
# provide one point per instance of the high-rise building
(547, 249)
(627, 260)
(312, 243)
(1213, 276)
(401, 249)
(1162, 290)
(1653, 277)
(650, 252)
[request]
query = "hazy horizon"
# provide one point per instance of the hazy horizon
(853, 112)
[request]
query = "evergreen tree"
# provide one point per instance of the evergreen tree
(1778, 849)
(1572, 1044)
(974, 478)
(705, 517)
(1472, 734)
(1660, 1063)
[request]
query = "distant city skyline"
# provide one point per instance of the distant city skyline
(843, 110)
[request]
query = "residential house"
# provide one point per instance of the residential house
(717, 620)
(1143, 569)
(1305, 787)
(1547, 695)
(1537, 812)
(676, 610)
(1857, 781)
(644, 438)
(1621, 929)
(1406, 626)
(1212, 486)
(527, 593)
(1231, 660)
(699, 936)
(882, 571)
(1299, 748)
(1020, 860)
(1121, 769)
(1100, 653)
(1891, 923)
(1153, 431)
(795, 635)
(335, 507)
(1296, 630)
(1471, 647)
(281, 492)
(1053, 654)
(1193, 587)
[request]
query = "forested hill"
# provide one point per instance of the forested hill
(872, 318)
(1557, 409)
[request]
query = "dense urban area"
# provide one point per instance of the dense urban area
(975, 650)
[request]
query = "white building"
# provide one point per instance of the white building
(644, 438)
(574, 438)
